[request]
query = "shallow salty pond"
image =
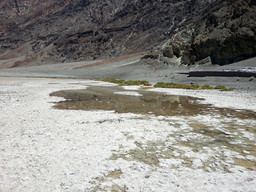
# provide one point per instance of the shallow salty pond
(114, 99)
(226, 129)
(140, 102)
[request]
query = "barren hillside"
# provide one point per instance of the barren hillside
(44, 31)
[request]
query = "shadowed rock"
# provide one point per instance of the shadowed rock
(41, 31)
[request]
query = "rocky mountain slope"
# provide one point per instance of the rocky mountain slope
(44, 31)
(226, 33)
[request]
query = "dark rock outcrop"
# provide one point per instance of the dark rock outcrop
(168, 52)
(226, 33)
(44, 31)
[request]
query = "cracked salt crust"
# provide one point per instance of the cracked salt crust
(236, 99)
(44, 149)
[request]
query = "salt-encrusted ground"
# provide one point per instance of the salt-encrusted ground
(45, 149)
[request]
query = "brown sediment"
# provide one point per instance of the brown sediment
(104, 98)
(115, 174)
(207, 139)
(246, 163)
(227, 137)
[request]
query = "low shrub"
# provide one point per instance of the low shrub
(112, 80)
(138, 82)
(207, 87)
(220, 87)
(192, 86)
(176, 86)
(164, 85)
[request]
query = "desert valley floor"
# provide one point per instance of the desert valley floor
(43, 148)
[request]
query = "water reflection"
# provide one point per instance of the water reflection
(226, 134)
(103, 98)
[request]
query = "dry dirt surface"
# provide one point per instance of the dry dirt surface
(131, 67)
(47, 149)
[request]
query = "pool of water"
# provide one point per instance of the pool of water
(231, 129)
(106, 98)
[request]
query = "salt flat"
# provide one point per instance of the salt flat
(47, 149)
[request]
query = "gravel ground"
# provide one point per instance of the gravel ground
(45, 149)
(131, 68)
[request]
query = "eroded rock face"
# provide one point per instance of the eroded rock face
(225, 32)
(44, 31)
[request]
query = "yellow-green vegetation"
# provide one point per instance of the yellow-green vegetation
(129, 82)
(138, 82)
(177, 86)
(206, 87)
(192, 86)
(112, 80)
(223, 88)
(122, 82)
(220, 87)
